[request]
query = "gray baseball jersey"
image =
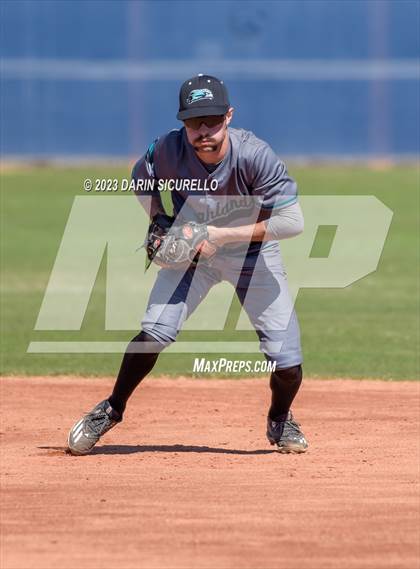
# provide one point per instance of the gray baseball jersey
(247, 185)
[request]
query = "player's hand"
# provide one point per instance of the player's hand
(217, 235)
(207, 249)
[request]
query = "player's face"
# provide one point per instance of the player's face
(207, 134)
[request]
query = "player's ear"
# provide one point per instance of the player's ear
(229, 115)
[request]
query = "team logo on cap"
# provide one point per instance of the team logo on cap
(198, 94)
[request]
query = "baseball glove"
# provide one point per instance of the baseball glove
(176, 246)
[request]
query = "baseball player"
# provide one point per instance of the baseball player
(233, 200)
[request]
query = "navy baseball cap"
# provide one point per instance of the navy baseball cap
(203, 95)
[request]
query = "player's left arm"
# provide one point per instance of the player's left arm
(275, 192)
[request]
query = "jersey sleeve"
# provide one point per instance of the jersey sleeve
(271, 184)
(144, 174)
(144, 168)
(285, 222)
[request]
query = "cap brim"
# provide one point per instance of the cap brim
(202, 112)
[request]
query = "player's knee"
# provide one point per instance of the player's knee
(163, 326)
(285, 353)
(270, 348)
(158, 337)
(145, 343)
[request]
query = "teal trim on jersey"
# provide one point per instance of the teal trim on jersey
(151, 150)
(149, 159)
(281, 205)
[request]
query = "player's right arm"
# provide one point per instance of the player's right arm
(144, 174)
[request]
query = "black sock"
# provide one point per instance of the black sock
(284, 385)
(134, 367)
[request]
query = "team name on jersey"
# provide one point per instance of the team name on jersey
(229, 207)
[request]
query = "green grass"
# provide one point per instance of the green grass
(369, 329)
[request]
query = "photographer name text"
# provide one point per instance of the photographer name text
(138, 186)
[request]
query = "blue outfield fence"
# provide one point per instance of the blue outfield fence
(318, 78)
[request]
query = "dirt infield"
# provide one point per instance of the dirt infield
(189, 480)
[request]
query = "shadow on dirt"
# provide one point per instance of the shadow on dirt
(131, 449)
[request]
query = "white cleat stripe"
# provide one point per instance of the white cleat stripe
(77, 437)
(78, 423)
(77, 430)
